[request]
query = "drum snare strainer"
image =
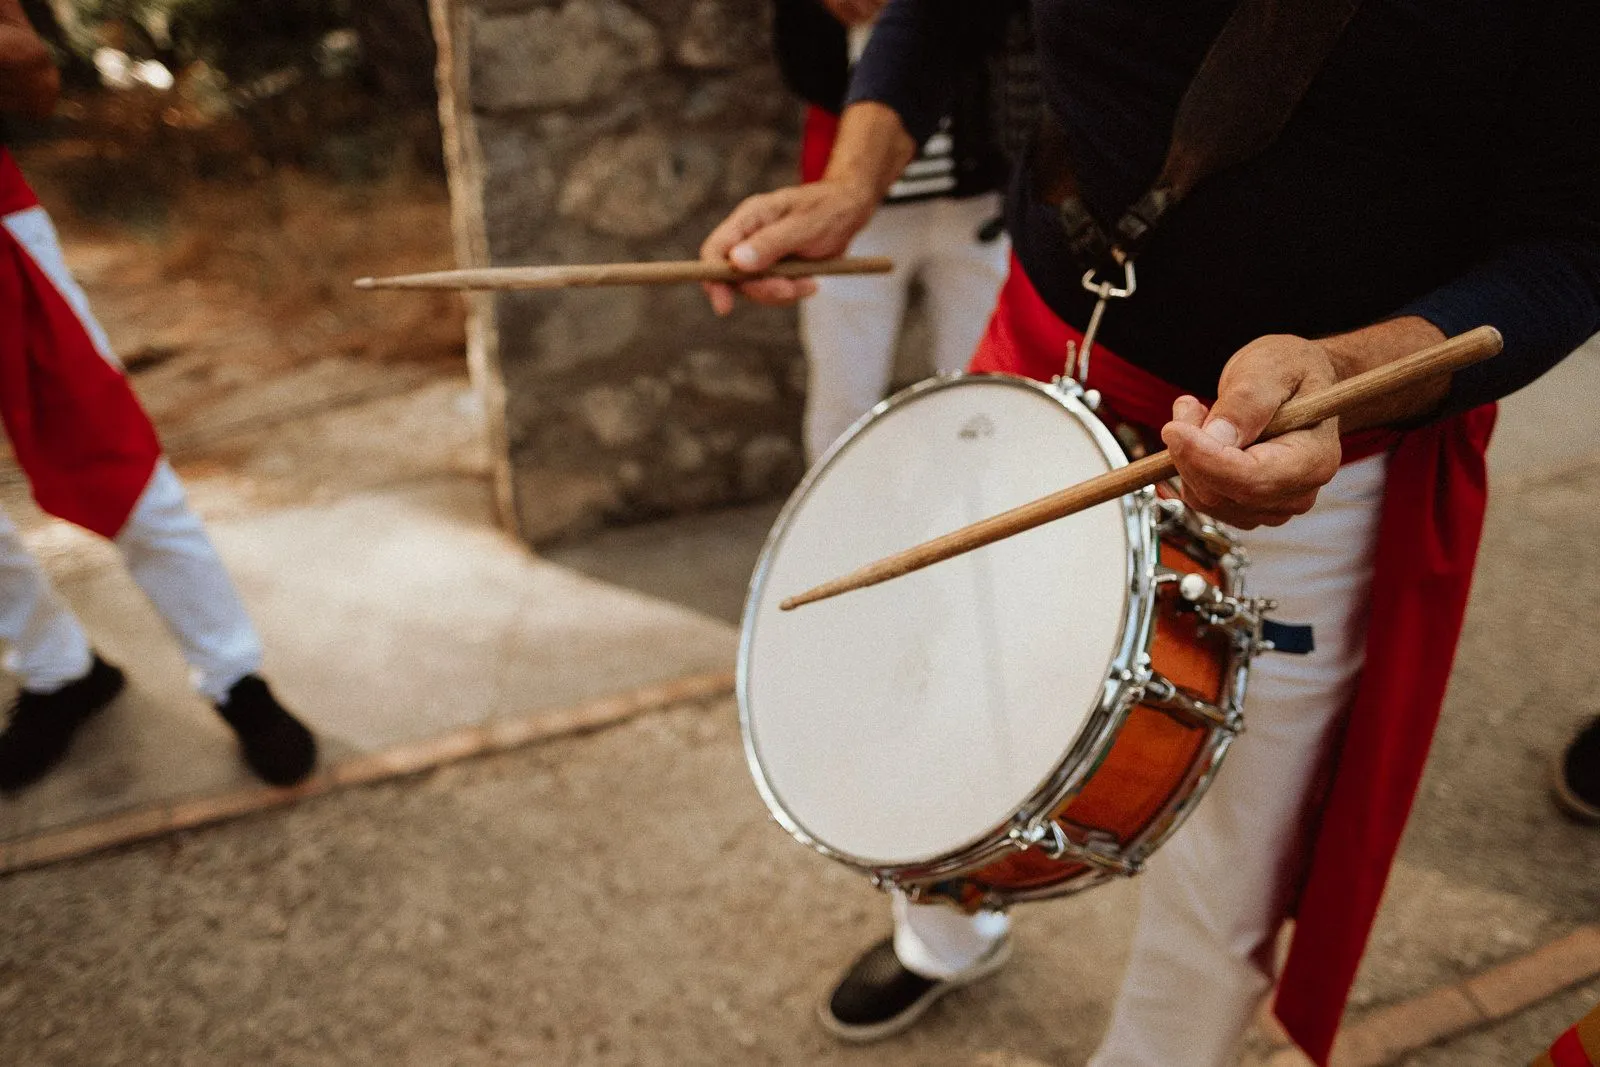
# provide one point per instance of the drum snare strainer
(1023, 721)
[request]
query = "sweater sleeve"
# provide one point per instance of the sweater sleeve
(917, 49)
(809, 44)
(1540, 283)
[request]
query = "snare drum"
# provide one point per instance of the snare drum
(1023, 721)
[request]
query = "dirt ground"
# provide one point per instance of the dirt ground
(232, 308)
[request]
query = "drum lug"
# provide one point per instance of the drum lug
(1175, 517)
(1098, 849)
(1101, 850)
(1047, 837)
(1241, 616)
(1170, 511)
(1161, 694)
(1069, 386)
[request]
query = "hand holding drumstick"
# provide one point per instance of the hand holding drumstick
(1232, 475)
(1393, 389)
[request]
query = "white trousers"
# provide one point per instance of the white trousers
(1212, 899)
(169, 556)
(163, 544)
(850, 326)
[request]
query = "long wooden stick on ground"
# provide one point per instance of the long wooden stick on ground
(1348, 396)
(593, 274)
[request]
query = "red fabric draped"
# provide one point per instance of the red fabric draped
(1433, 508)
(816, 142)
(75, 425)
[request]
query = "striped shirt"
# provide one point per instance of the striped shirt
(933, 171)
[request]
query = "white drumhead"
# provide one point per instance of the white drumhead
(901, 723)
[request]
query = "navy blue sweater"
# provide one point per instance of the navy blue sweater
(1445, 163)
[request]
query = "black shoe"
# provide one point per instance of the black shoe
(878, 997)
(275, 744)
(42, 725)
(1577, 777)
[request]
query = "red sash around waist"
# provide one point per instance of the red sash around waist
(76, 427)
(1432, 516)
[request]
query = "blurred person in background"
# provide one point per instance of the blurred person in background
(940, 223)
(92, 458)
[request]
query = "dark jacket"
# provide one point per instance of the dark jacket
(812, 51)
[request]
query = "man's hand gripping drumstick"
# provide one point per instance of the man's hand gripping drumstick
(814, 221)
(1230, 473)
(1388, 391)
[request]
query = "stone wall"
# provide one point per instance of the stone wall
(597, 131)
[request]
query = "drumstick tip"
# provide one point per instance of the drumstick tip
(366, 283)
(820, 592)
(848, 584)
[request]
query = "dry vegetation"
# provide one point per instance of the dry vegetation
(221, 265)
(198, 249)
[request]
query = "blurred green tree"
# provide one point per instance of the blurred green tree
(250, 39)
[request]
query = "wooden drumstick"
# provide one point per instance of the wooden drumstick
(593, 274)
(1343, 398)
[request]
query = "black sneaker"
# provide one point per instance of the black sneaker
(1577, 775)
(878, 997)
(42, 725)
(275, 744)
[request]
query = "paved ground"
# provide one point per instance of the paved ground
(616, 899)
(1516, 1040)
(613, 899)
(389, 615)
(622, 899)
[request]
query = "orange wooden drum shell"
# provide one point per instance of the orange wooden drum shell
(1151, 758)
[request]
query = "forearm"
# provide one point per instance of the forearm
(1544, 298)
(871, 150)
(918, 48)
(1364, 349)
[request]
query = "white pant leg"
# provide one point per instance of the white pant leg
(938, 941)
(962, 276)
(163, 542)
(46, 647)
(171, 558)
(850, 326)
(1213, 897)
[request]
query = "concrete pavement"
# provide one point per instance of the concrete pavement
(389, 616)
(622, 899)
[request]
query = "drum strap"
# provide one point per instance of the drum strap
(1251, 80)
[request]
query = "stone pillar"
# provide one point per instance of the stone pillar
(598, 131)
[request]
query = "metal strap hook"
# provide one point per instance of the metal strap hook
(1078, 355)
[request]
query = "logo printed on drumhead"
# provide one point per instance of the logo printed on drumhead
(976, 427)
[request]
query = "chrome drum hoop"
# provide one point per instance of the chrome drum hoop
(1129, 660)
(1210, 545)
(1204, 539)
